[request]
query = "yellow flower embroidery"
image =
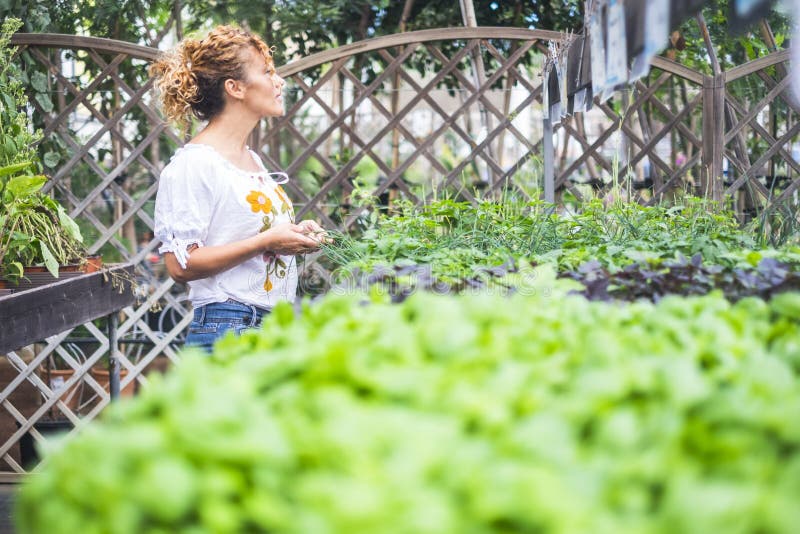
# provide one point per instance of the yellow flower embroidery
(259, 202)
(285, 204)
(281, 194)
(276, 266)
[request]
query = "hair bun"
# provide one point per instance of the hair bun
(190, 78)
(176, 83)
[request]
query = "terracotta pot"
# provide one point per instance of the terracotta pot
(102, 376)
(57, 378)
(38, 275)
(93, 264)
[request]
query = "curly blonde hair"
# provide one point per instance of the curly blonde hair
(190, 78)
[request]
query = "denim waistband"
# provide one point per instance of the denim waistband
(250, 314)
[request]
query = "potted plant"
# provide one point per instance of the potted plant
(34, 228)
(102, 375)
(55, 373)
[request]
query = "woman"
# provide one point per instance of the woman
(226, 225)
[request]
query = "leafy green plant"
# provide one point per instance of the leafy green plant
(623, 251)
(684, 276)
(34, 228)
(16, 137)
(458, 237)
(542, 413)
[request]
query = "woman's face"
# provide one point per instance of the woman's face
(263, 86)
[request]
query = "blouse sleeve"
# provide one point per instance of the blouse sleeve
(184, 204)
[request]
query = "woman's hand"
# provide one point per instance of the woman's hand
(288, 239)
(285, 239)
(314, 231)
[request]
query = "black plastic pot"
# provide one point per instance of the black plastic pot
(28, 455)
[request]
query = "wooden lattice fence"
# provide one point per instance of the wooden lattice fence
(404, 115)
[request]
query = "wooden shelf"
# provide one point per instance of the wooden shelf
(34, 314)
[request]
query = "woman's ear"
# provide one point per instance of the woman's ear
(234, 88)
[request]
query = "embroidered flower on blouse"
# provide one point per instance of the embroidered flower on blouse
(259, 202)
(285, 204)
(281, 194)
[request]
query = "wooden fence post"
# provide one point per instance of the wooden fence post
(711, 185)
(479, 75)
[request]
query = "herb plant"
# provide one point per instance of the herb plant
(481, 414)
(457, 246)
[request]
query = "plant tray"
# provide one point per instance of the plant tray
(34, 314)
(38, 279)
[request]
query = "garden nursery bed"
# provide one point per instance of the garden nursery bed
(530, 409)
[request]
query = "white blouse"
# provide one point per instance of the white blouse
(204, 199)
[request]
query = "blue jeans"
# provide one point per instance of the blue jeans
(213, 321)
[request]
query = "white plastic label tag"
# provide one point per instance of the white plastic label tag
(555, 114)
(546, 93)
(657, 26)
(655, 37)
(795, 70)
(598, 49)
(745, 7)
(562, 81)
(578, 103)
(617, 49)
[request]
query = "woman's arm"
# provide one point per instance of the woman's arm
(285, 239)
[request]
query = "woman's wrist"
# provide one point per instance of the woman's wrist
(265, 242)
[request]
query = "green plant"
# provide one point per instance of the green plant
(456, 237)
(34, 228)
(16, 137)
(622, 250)
(442, 415)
